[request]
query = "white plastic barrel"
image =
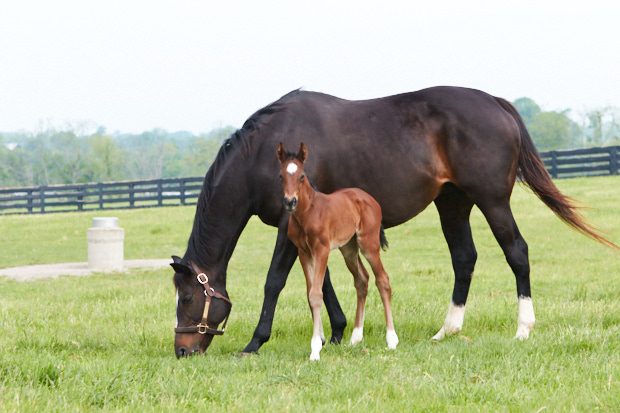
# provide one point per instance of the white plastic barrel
(105, 245)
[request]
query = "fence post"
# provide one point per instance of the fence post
(100, 191)
(613, 160)
(554, 164)
(159, 193)
(42, 196)
(80, 199)
(132, 196)
(30, 201)
(182, 191)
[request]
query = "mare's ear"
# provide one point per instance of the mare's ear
(181, 268)
(281, 152)
(176, 259)
(302, 155)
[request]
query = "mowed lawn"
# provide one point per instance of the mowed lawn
(106, 341)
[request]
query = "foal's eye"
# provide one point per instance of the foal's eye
(280, 176)
(301, 178)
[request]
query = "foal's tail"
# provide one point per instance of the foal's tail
(533, 173)
(382, 239)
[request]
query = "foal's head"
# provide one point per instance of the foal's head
(292, 174)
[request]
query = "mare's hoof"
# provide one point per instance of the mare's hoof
(244, 354)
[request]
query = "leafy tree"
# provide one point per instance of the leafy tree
(602, 127)
(528, 109)
(554, 130)
(202, 151)
(106, 160)
(549, 129)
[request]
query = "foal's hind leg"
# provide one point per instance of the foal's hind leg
(370, 248)
(360, 280)
(454, 208)
(502, 223)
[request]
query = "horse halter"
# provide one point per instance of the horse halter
(203, 327)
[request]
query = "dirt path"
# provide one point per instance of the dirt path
(35, 272)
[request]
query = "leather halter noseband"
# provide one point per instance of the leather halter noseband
(203, 327)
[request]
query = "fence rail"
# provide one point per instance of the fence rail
(109, 195)
(582, 162)
(185, 191)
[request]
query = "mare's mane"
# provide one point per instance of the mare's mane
(198, 247)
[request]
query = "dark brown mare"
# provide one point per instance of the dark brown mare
(348, 219)
(452, 146)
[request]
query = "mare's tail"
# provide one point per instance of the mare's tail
(382, 239)
(533, 173)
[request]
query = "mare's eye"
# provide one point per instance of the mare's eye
(301, 178)
(186, 299)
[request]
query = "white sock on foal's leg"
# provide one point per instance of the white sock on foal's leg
(453, 323)
(526, 319)
(392, 339)
(357, 335)
(316, 345)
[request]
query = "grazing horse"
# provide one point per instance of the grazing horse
(348, 219)
(455, 147)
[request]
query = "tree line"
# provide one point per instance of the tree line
(60, 157)
(66, 156)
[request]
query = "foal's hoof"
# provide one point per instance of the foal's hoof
(357, 336)
(315, 357)
(392, 339)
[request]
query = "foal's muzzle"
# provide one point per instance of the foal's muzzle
(290, 203)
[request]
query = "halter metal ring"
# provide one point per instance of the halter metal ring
(202, 278)
(202, 328)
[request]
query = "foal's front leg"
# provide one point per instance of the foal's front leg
(315, 272)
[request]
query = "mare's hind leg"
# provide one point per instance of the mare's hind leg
(502, 223)
(454, 208)
(370, 247)
(360, 280)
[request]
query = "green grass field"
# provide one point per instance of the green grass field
(106, 341)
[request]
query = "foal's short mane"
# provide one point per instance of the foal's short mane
(197, 246)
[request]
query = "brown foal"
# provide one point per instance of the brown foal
(348, 219)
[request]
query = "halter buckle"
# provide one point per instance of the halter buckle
(204, 279)
(202, 328)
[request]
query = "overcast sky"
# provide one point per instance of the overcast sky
(199, 64)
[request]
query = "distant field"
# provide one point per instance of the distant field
(105, 342)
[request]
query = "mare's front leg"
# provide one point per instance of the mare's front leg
(284, 255)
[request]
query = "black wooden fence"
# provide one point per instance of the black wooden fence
(109, 195)
(582, 162)
(185, 191)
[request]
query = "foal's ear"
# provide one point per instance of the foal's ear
(302, 155)
(281, 152)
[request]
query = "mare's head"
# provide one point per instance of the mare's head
(201, 308)
(292, 174)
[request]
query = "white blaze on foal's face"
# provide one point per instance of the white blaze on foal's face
(291, 168)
